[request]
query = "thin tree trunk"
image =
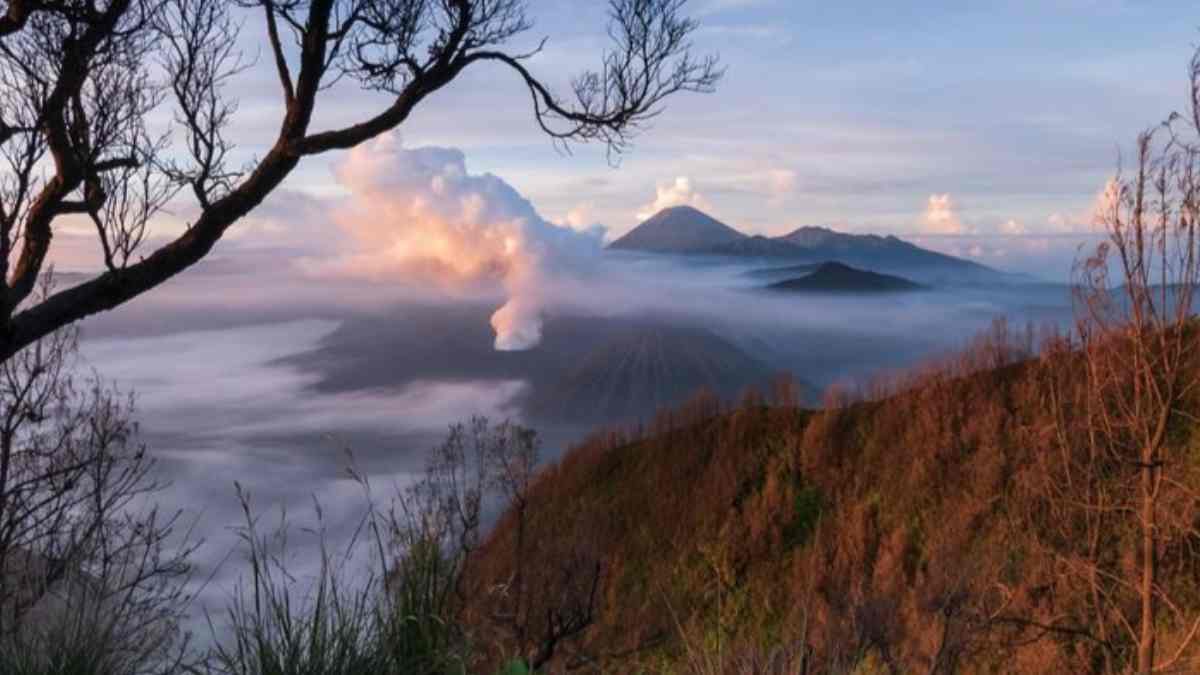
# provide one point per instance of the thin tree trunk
(1145, 657)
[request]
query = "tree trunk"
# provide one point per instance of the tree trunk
(1145, 656)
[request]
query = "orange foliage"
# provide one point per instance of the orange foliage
(896, 521)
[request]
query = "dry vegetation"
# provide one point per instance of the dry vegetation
(926, 530)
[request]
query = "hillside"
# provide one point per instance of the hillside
(645, 368)
(681, 229)
(920, 532)
(834, 277)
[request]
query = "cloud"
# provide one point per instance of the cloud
(715, 6)
(1062, 223)
(781, 183)
(941, 217)
(277, 434)
(974, 246)
(419, 214)
(1013, 227)
(681, 192)
(1087, 221)
(581, 216)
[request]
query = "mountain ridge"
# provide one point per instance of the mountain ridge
(685, 230)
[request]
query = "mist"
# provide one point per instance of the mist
(426, 294)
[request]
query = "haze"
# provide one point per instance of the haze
(870, 186)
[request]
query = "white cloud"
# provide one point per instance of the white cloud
(582, 216)
(681, 192)
(941, 216)
(1013, 227)
(1087, 221)
(1062, 223)
(1107, 201)
(781, 183)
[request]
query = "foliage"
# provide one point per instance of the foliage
(408, 605)
(332, 627)
(918, 510)
(807, 511)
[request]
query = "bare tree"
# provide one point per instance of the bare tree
(1135, 310)
(80, 81)
(530, 587)
(86, 561)
(550, 594)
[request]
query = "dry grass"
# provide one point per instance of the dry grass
(906, 524)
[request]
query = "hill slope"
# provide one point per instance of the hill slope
(834, 277)
(917, 533)
(646, 368)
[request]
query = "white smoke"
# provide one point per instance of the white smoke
(418, 214)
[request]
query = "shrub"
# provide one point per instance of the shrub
(805, 516)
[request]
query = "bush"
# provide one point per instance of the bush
(806, 514)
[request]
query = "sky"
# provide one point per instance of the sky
(983, 129)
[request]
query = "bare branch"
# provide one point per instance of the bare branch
(83, 97)
(651, 61)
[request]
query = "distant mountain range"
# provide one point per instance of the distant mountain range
(684, 230)
(835, 277)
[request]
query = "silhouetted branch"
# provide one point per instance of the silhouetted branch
(79, 88)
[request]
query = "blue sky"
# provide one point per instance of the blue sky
(980, 128)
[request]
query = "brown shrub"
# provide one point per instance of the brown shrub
(914, 523)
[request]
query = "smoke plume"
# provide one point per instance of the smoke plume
(418, 214)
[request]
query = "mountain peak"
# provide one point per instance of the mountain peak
(678, 229)
(837, 277)
(680, 209)
(646, 367)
